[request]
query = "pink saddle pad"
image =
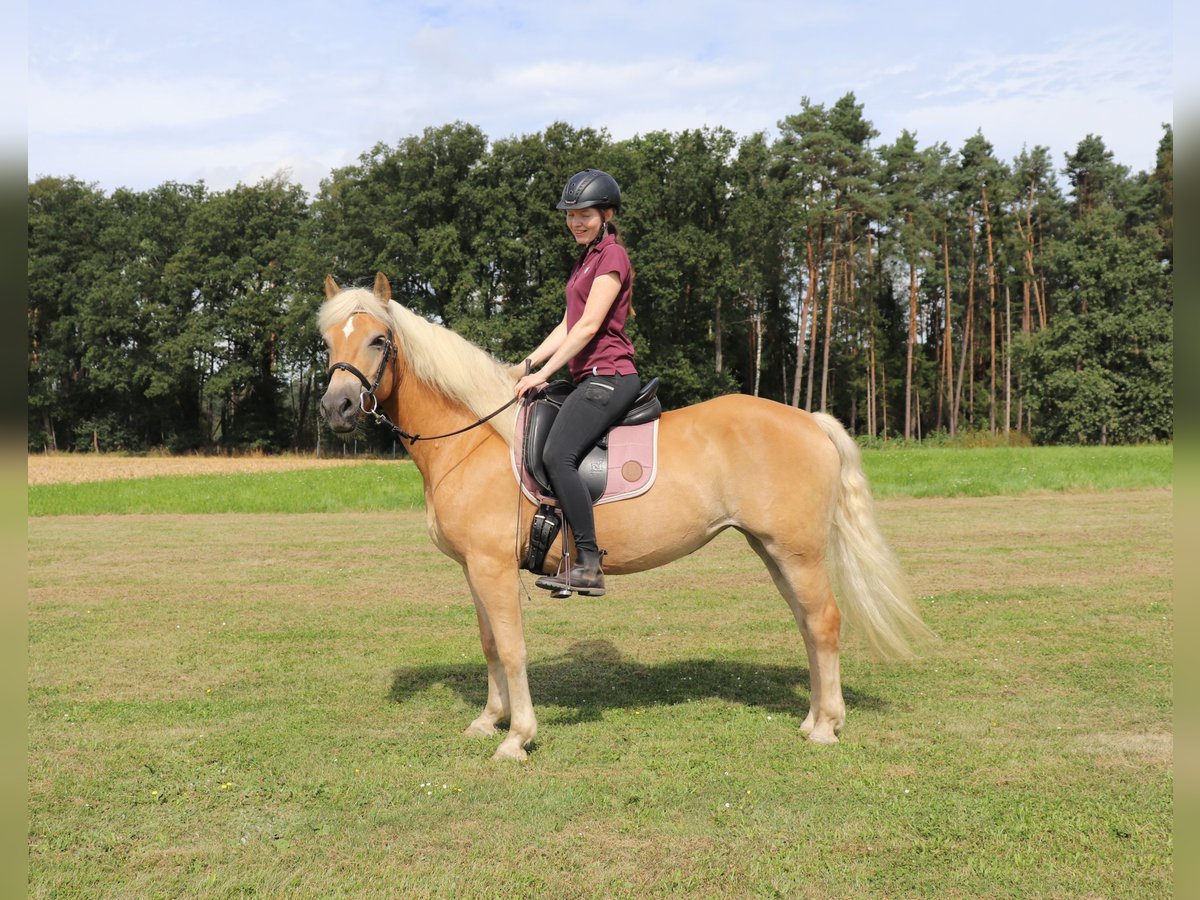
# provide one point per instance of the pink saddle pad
(632, 462)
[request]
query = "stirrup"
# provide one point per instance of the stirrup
(558, 584)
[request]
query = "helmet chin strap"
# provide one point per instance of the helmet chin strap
(600, 234)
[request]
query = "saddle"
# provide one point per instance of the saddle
(543, 411)
(620, 465)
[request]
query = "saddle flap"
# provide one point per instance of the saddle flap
(541, 416)
(593, 468)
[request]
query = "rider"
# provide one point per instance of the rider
(590, 338)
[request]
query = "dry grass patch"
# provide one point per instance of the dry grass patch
(75, 468)
(1131, 750)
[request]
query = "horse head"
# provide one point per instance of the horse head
(362, 352)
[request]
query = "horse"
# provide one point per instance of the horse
(791, 482)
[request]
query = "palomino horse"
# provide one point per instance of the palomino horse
(790, 481)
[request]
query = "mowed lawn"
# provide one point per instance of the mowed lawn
(271, 705)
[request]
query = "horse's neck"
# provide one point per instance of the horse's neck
(424, 411)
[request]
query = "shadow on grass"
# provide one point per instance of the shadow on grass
(592, 677)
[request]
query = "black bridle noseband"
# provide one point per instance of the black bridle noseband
(369, 387)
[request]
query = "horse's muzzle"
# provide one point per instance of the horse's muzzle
(340, 407)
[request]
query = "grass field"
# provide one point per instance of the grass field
(909, 472)
(261, 704)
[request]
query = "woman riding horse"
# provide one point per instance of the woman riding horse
(590, 339)
(791, 482)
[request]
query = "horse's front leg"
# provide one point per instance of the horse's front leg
(496, 709)
(496, 591)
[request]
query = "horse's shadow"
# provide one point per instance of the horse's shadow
(592, 677)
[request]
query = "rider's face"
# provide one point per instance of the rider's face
(585, 223)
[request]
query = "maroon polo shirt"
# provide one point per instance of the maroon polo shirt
(610, 351)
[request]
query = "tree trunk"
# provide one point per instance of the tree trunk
(947, 386)
(801, 335)
(812, 344)
(912, 340)
(783, 374)
(1040, 293)
(1007, 360)
(956, 404)
(872, 391)
(962, 365)
(48, 427)
(1027, 241)
(829, 315)
(757, 319)
(991, 270)
(717, 336)
(883, 390)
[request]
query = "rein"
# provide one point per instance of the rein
(369, 387)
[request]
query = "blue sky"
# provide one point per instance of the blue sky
(133, 94)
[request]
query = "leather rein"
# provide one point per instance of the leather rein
(368, 392)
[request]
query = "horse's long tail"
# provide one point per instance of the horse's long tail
(867, 579)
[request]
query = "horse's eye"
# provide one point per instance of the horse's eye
(379, 342)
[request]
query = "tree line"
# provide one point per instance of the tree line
(909, 290)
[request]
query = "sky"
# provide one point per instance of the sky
(135, 94)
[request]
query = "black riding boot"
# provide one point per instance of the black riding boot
(585, 577)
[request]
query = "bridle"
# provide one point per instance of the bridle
(369, 388)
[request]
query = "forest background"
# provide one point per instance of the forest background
(915, 292)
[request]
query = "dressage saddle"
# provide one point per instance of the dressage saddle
(547, 521)
(646, 407)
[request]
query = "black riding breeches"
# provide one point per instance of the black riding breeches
(596, 403)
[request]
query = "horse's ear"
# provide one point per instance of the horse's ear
(383, 288)
(331, 287)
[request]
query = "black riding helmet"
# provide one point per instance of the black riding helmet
(591, 187)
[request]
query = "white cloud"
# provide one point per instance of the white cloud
(587, 89)
(1130, 128)
(1116, 85)
(220, 163)
(1096, 63)
(99, 106)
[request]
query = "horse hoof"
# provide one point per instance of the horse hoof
(823, 737)
(480, 728)
(510, 751)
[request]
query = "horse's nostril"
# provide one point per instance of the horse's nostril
(334, 408)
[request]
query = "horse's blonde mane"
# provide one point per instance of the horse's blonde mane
(435, 355)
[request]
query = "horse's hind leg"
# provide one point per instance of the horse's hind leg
(804, 583)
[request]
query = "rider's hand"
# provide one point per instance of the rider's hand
(530, 382)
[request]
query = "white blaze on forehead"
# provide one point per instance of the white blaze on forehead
(349, 329)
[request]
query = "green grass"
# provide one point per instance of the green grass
(907, 472)
(235, 705)
(366, 487)
(1003, 471)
